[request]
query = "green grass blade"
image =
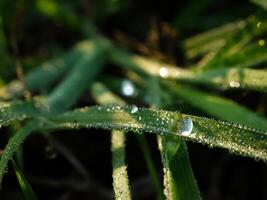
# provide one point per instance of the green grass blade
(104, 96)
(222, 78)
(211, 39)
(24, 184)
(179, 181)
(261, 3)
(13, 144)
(79, 78)
(41, 78)
(233, 78)
(234, 137)
(16, 111)
(220, 107)
(119, 174)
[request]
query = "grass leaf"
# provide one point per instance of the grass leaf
(13, 145)
(24, 184)
(119, 174)
(220, 107)
(234, 137)
(178, 184)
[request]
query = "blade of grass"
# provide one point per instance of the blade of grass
(41, 78)
(261, 3)
(179, 181)
(102, 94)
(222, 78)
(14, 143)
(79, 78)
(121, 185)
(220, 107)
(24, 184)
(211, 39)
(234, 137)
(16, 111)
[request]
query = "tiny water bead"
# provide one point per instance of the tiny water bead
(134, 109)
(163, 72)
(186, 126)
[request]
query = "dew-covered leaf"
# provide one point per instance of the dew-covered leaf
(234, 137)
(16, 111)
(178, 179)
(119, 174)
(14, 143)
(220, 107)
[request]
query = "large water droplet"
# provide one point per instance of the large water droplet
(163, 72)
(186, 126)
(134, 109)
(127, 88)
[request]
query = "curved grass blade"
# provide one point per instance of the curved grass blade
(24, 184)
(119, 174)
(234, 137)
(14, 143)
(220, 107)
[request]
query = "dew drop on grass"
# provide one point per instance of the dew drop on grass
(186, 126)
(234, 84)
(134, 109)
(127, 88)
(163, 72)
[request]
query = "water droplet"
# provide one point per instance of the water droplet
(186, 126)
(258, 24)
(261, 42)
(139, 118)
(234, 84)
(163, 72)
(134, 109)
(127, 88)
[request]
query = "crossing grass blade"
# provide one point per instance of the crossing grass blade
(179, 181)
(24, 184)
(119, 174)
(104, 96)
(219, 78)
